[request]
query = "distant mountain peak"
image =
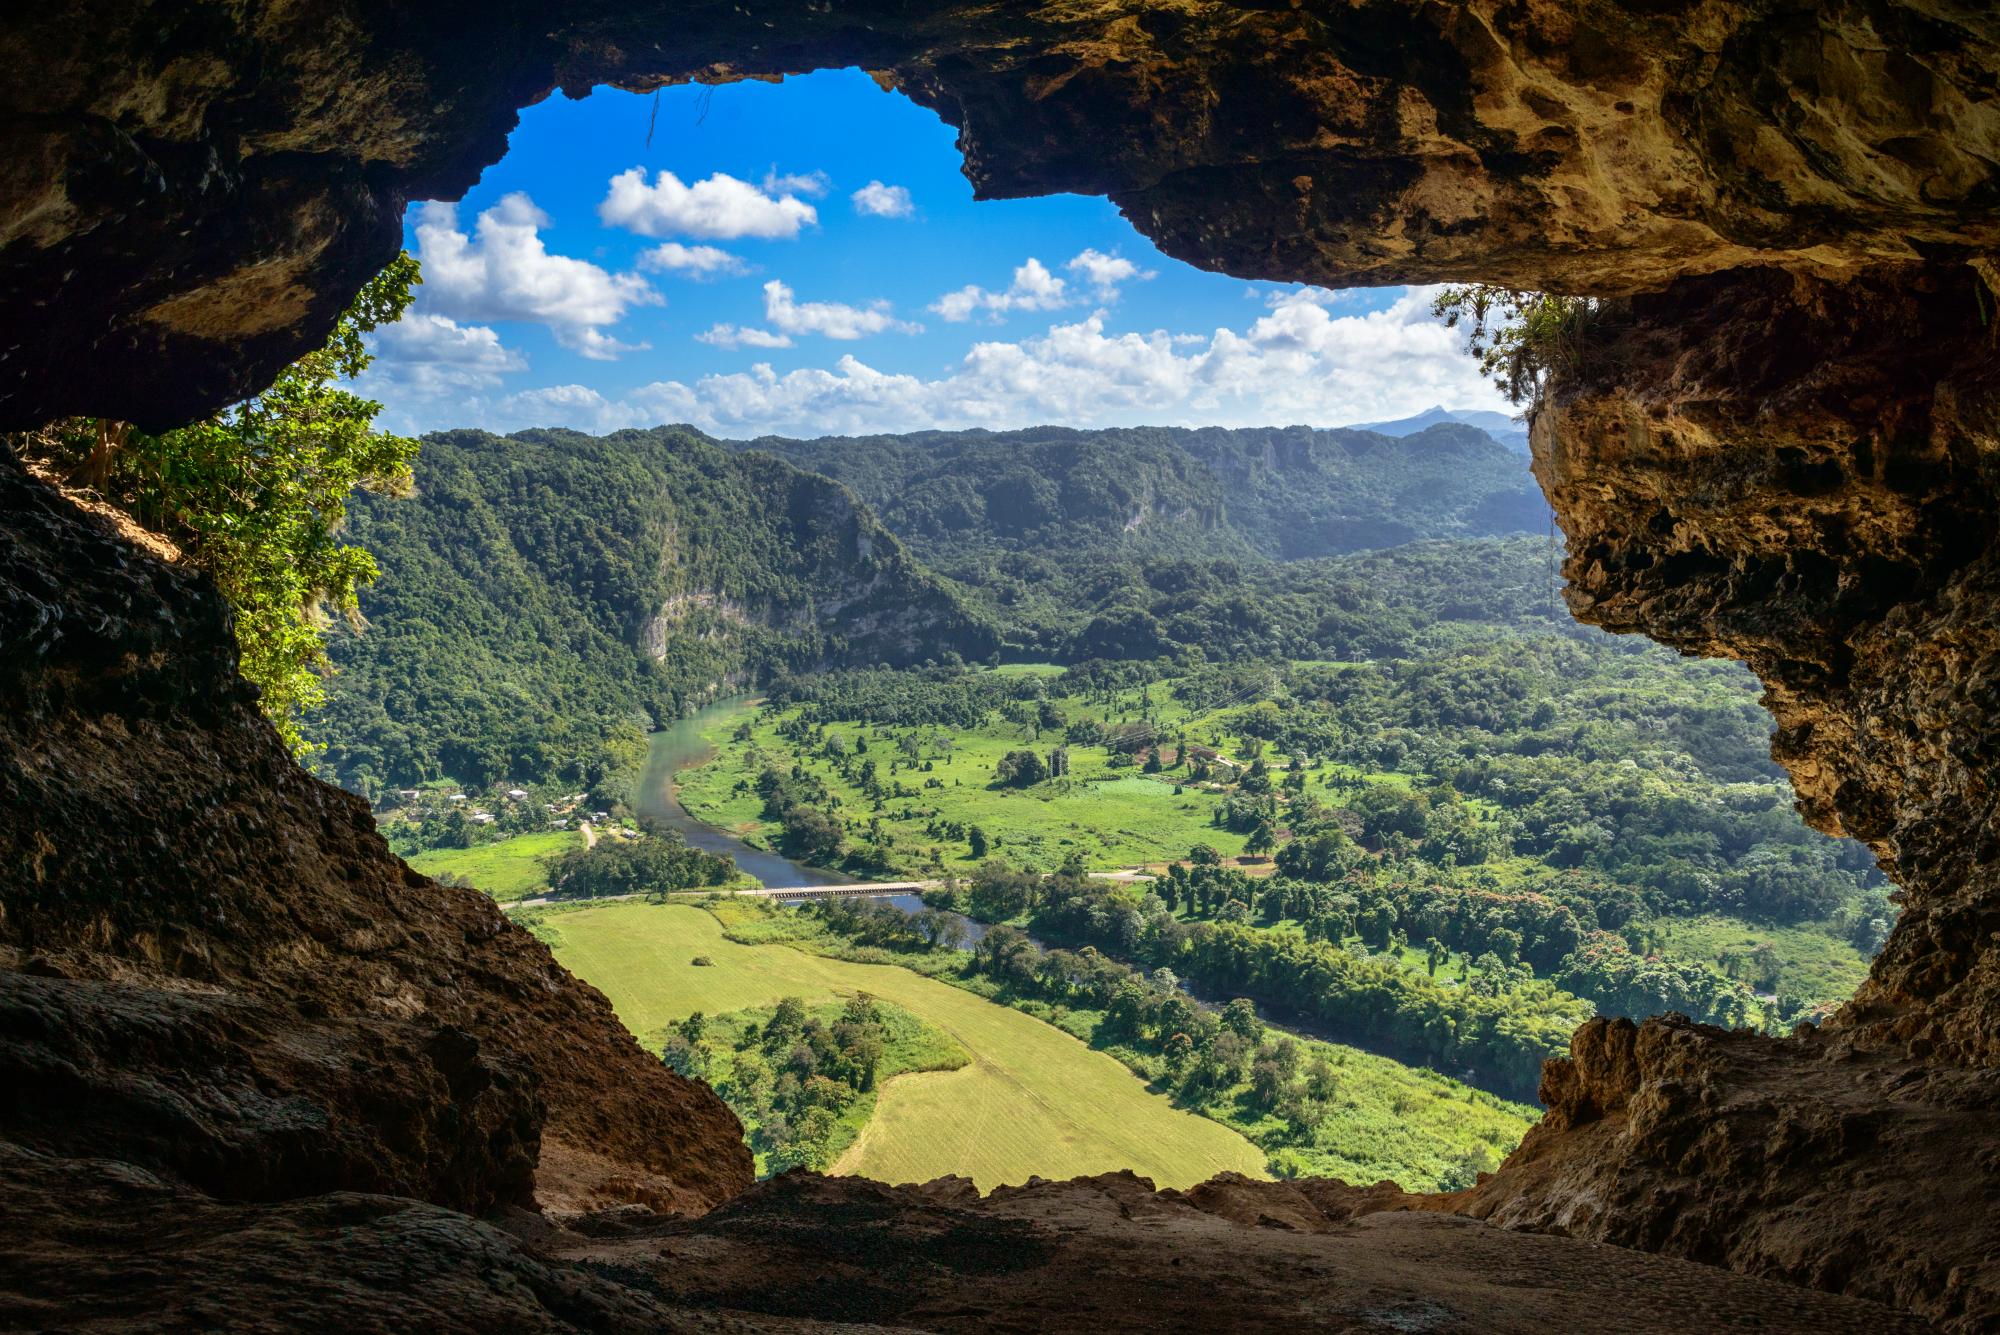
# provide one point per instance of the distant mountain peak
(1510, 432)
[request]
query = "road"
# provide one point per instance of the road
(856, 890)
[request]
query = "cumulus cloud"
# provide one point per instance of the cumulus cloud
(1299, 363)
(812, 183)
(884, 201)
(433, 354)
(696, 262)
(1311, 296)
(1034, 289)
(1104, 273)
(505, 272)
(740, 336)
(831, 319)
(719, 207)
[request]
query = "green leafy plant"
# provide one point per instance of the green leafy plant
(257, 495)
(1522, 339)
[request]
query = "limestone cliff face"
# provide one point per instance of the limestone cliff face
(1806, 476)
(214, 969)
(1778, 445)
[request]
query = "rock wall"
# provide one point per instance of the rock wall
(1806, 476)
(212, 966)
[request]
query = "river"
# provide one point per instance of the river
(679, 746)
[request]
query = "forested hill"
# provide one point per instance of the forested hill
(548, 596)
(1086, 543)
(1286, 493)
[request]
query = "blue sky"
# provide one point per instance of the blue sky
(805, 258)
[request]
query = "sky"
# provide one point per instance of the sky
(806, 259)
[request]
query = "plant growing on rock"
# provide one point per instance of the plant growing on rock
(1523, 340)
(257, 495)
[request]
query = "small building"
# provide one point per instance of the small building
(482, 818)
(458, 797)
(517, 794)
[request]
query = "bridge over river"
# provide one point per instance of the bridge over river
(857, 890)
(890, 889)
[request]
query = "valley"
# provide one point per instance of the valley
(1386, 825)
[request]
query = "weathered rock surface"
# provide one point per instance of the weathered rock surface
(117, 1249)
(1820, 1160)
(1802, 474)
(1778, 445)
(1806, 476)
(212, 966)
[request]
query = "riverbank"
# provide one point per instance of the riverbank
(682, 745)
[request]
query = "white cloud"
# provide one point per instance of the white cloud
(697, 262)
(832, 319)
(739, 336)
(1299, 363)
(433, 354)
(1034, 289)
(720, 207)
(1312, 296)
(595, 344)
(504, 272)
(1104, 272)
(884, 201)
(812, 183)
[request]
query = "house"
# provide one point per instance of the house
(482, 818)
(458, 797)
(517, 794)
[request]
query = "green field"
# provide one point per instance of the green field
(1115, 815)
(509, 869)
(1813, 963)
(1033, 1101)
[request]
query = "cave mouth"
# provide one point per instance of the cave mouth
(1595, 826)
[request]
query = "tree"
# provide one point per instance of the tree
(1239, 1017)
(1521, 339)
(1261, 840)
(1267, 1083)
(812, 835)
(975, 841)
(1020, 769)
(256, 496)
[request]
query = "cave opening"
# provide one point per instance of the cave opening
(1452, 781)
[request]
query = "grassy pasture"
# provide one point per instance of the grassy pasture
(1116, 815)
(1814, 963)
(1033, 1100)
(507, 870)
